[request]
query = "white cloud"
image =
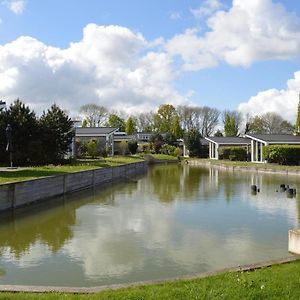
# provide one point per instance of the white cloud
(251, 30)
(111, 66)
(207, 8)
(17, 6)
(284, 102)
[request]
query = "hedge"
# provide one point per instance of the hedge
(233, 153)
(282, 154)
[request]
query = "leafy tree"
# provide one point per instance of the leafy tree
(232, 121)
(270, 123)
(130, 126)
(84, 123)
(25, 134)
(94, 114)
(167, 120)
(57, 134)
(132, 147)
(116, 121)
(192, 142)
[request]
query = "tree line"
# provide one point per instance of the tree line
(180, 120)
(35, 140)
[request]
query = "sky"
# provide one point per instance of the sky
(135, 55)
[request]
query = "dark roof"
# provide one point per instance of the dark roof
(276, 138)
(231, 140)
(94, 131)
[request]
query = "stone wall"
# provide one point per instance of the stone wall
(17, 194)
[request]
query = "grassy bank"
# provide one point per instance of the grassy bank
(80, 165)
(248, 164)
(276, 282)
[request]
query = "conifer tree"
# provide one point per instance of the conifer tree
(297, 125)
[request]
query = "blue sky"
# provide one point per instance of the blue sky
(205, 52)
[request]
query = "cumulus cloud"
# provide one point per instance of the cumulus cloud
(284, 102)
(251, 30)
(207, 8)
(111, 66)
(17, 6)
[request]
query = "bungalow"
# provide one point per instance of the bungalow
(216, 142)
(258, 141)
(103, 135)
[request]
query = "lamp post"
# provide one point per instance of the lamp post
(9, 148)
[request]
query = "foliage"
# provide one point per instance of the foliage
(84, 123)
(56, 134)
(232, 121)
(91, 148)
(146, 148)
(123, 147)
(192, 142)
(168, 149)
(116, 121)
(269, 123)
(177, 152)
(94, 114)
(233, 153)
(130, 127)
(132, 147)
(282, 154)
(26, 144)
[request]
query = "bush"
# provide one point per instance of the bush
(168, 150)
(123, 147)
(146, 148)
(91, 147)
(238, 153)
(282, 154)
(233, 153)
(178, 152)
(132, 147)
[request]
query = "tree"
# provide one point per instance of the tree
(209, 119)
(270, 123)
(145, 122)
(84, 123)
(167, 120)
(218, 133)
(57, 134)
(94, 114)
(232, 121)
(297, 124)
(130, 126)
(115, 121)
(25, 134)
(192, 142)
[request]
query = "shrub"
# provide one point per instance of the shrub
(238, 153)
(123, 147)
(233, 153)
(132, 147)
(282, 154)
(168, 149)
(178, 152)
(146, 148)
(91, 147)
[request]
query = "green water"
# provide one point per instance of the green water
(172, 221)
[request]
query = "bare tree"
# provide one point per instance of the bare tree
(94, 114)
(209, 119)
(145, 122)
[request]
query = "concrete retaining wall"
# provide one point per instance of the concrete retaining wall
(17, 194)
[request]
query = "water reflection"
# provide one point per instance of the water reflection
(175, 220)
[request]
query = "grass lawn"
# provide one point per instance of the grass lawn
(276, 282)
(248, 164)
(80, 165)
(164, 157)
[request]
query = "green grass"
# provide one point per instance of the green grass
(276, 282)
(248, 164)
(164, 157)
(79, 165)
